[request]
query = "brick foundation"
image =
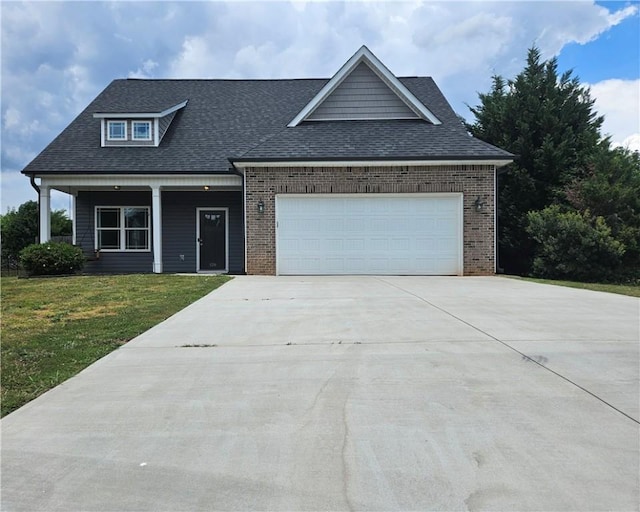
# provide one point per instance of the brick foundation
(262, 184)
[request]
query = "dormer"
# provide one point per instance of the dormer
(127, 129)
(364, 89)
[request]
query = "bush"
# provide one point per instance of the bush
(573, 245)
(51, 258)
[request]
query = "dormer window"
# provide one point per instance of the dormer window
(141, 130)
(117, 130)
(136, 128)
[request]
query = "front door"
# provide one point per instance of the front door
(212, 240)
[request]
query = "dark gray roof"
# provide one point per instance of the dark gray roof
(247, 120)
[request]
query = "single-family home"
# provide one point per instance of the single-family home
(362, 173)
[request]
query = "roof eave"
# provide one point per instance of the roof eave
(497, 160)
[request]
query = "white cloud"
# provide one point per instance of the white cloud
(144, 71)
(619, 101)
(632, 142)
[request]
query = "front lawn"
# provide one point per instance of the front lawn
(621, 289)
(53, 328)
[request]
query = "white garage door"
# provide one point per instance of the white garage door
(399, 234)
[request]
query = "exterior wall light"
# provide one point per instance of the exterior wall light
(478, 204)
(261, 206)
(116, 187)
(206, 187)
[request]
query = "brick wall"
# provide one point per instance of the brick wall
(262, 184)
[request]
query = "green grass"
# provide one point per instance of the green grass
(621, 289)
(53, 328)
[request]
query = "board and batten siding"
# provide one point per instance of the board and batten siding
(362, 95)
(179, 228)
(109, 262)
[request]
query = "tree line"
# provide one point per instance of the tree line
(569, 206)
(19, 228)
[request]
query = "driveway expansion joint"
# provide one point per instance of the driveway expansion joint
(532, 359)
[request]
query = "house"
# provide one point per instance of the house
(363, 173)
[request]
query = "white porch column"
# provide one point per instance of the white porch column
(45, 214)
(72, 213)
(156, 228)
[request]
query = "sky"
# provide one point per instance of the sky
(57, 56)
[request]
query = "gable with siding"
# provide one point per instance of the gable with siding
(362, 95)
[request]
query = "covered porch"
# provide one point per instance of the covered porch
(152, 223)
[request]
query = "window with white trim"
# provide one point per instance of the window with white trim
(116, 130)
(141, 130)
(122, 228)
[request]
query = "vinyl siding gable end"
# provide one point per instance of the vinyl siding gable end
(362, 95)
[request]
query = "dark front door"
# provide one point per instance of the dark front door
(212, 240)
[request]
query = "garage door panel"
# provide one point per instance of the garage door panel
(368, 234)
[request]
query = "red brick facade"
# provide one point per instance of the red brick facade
(263, 184)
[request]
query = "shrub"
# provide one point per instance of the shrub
(573, 245)
(51, 258)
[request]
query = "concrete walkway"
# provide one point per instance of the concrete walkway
(348, 393)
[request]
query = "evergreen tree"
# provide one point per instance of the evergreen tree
(549, 121)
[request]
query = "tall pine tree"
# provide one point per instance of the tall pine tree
(549, 121)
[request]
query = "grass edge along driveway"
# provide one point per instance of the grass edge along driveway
(54, 328)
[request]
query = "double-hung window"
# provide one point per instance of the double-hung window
(122, 228)
(141, 130)
(117, 130)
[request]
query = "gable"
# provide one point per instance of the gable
(363, 88)
(362, 95)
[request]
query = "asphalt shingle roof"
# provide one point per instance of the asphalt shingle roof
(247, 120)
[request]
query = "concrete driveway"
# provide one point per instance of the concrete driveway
(348, 393)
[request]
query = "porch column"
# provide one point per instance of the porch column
(156, 228)
(72, 213)
(45, 214)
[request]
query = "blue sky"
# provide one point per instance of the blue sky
(57, 56)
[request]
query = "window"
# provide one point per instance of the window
(117, 130)
(122, 228)
(141, 130)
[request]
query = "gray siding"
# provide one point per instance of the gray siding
(362, 95)
(109, 262)
(179, 228)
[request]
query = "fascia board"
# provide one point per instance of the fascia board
(368, 163)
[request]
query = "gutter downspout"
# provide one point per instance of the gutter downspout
(32, 179)
(234, 170)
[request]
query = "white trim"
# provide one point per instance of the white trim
(126, 127)
(365, 55)
(458, 195)
(140, 115)
(45, 214)
(122, 230)
(156, 228)
(103, 133)
(226, 237)
(371, 163)
(156, 132)
(145, 181)
(74, 235)
(133, 130)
